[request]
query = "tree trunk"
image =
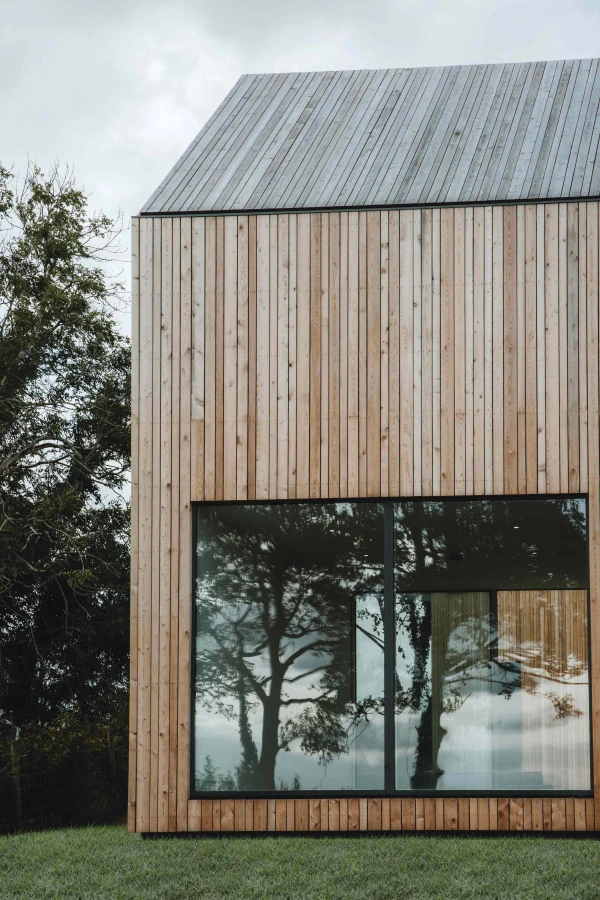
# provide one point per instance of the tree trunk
(247, 770)
(16, 773)
(270, 742)
(112, 763)
(430, 732)
(427, 772)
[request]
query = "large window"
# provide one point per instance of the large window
(423, 646)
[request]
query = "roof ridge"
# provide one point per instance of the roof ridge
(519, 62)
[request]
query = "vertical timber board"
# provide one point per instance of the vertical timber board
(394, 353)
(220, 359)
(503, 814)
(433, 351)
(262, 356)
(582, 298)
(210, 267)
(408, 814)
(373, 346)
(436, 337)
(344, 814)
(541, 343)
(324, 360)
(510, 343)
(573, 347)
(478, 351)
(273, 352)
(135, 436)
(488, 352)
(144, 528)
(164, 605)
(531, 438)
(343, 364)
(384, 355)
(292, 353)
(493, 811)
(417, 354)
(230, 348)
(426, 355)
(537, 816)
(283, 355)
(460, 346)
(252, 266)
(406, 352)
(334, 418)
(303, 259)
(521, 448)
(429, 813)
(447, 351)
(563, 349)
(315, 356)
(353, 355)
(469, 352)
(483, 814)
(552, 350)
(192, 235)
(363, 355)
(156, 504)
(594, 479)
(242, 362)
(227, 814)
(497, 351)
(184, 525)
(291, 814)
(182, 236)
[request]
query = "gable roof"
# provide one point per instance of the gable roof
(394, 137)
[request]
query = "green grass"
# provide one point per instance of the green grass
(109, 863)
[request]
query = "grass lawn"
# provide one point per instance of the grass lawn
(109, 863)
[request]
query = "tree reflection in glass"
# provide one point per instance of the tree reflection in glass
(492, 684)
(289, 647)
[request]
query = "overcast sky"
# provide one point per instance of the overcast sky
(118, 88)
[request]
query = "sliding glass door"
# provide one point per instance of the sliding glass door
(492, 682)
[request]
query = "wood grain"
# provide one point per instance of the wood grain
(135, 462)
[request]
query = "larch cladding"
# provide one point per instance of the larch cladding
(412, 353)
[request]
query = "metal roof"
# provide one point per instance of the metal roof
(393, 137)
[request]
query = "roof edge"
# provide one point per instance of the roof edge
(457, 204)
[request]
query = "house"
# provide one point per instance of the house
(366, 470)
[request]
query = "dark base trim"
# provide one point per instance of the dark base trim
(160, 835)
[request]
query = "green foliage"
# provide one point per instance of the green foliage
(69, 737)
(64, 456)
(86, 760)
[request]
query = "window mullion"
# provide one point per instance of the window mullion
(389, 644)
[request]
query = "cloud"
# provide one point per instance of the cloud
(118, 88)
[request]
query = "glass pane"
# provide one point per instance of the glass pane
(492, 686)
(289, 647)
(490, 544)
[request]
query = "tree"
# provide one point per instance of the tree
(64, 455)
(276, 609)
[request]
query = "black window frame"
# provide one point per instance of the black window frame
(389, 790)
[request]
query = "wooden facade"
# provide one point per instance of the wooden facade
(447, 351)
